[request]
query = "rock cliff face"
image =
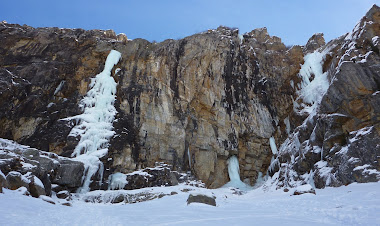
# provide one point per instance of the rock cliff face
(339, 141)
(193, 103)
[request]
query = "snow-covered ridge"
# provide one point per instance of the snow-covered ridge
(94, 125)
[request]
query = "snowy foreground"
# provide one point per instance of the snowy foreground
(348, 205)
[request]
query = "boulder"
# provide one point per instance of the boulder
(9, 163)
(69, 173)
(57, 188)
(47, 183)
(16, 180)
(161, 175)
(201, 199)
(36, 187)
(118, 199)
(303, 189)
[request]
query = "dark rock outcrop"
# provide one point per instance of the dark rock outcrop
(37, 170)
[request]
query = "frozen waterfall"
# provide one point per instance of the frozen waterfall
(233, 173)
(94, 125)
(314, 82)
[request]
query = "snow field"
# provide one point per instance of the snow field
(347, 205)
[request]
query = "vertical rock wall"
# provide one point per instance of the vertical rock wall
(191, 102)
(197, 101)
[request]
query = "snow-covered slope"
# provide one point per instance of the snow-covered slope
(356, 204)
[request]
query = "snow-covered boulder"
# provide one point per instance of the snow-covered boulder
(208, 200)
(36, 187)
(16, 180)
(303, 189)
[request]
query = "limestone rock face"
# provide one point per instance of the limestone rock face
(194, 102)
(191, 103)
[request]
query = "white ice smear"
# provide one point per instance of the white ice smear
(94, 125)
(188, 155)
(312, 90)
(287, 124)
(233, 173)
(59, 87)
(117, 181)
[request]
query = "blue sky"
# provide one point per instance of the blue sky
(294, 21)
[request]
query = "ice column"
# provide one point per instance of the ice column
(233, 173)
(314, 82)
